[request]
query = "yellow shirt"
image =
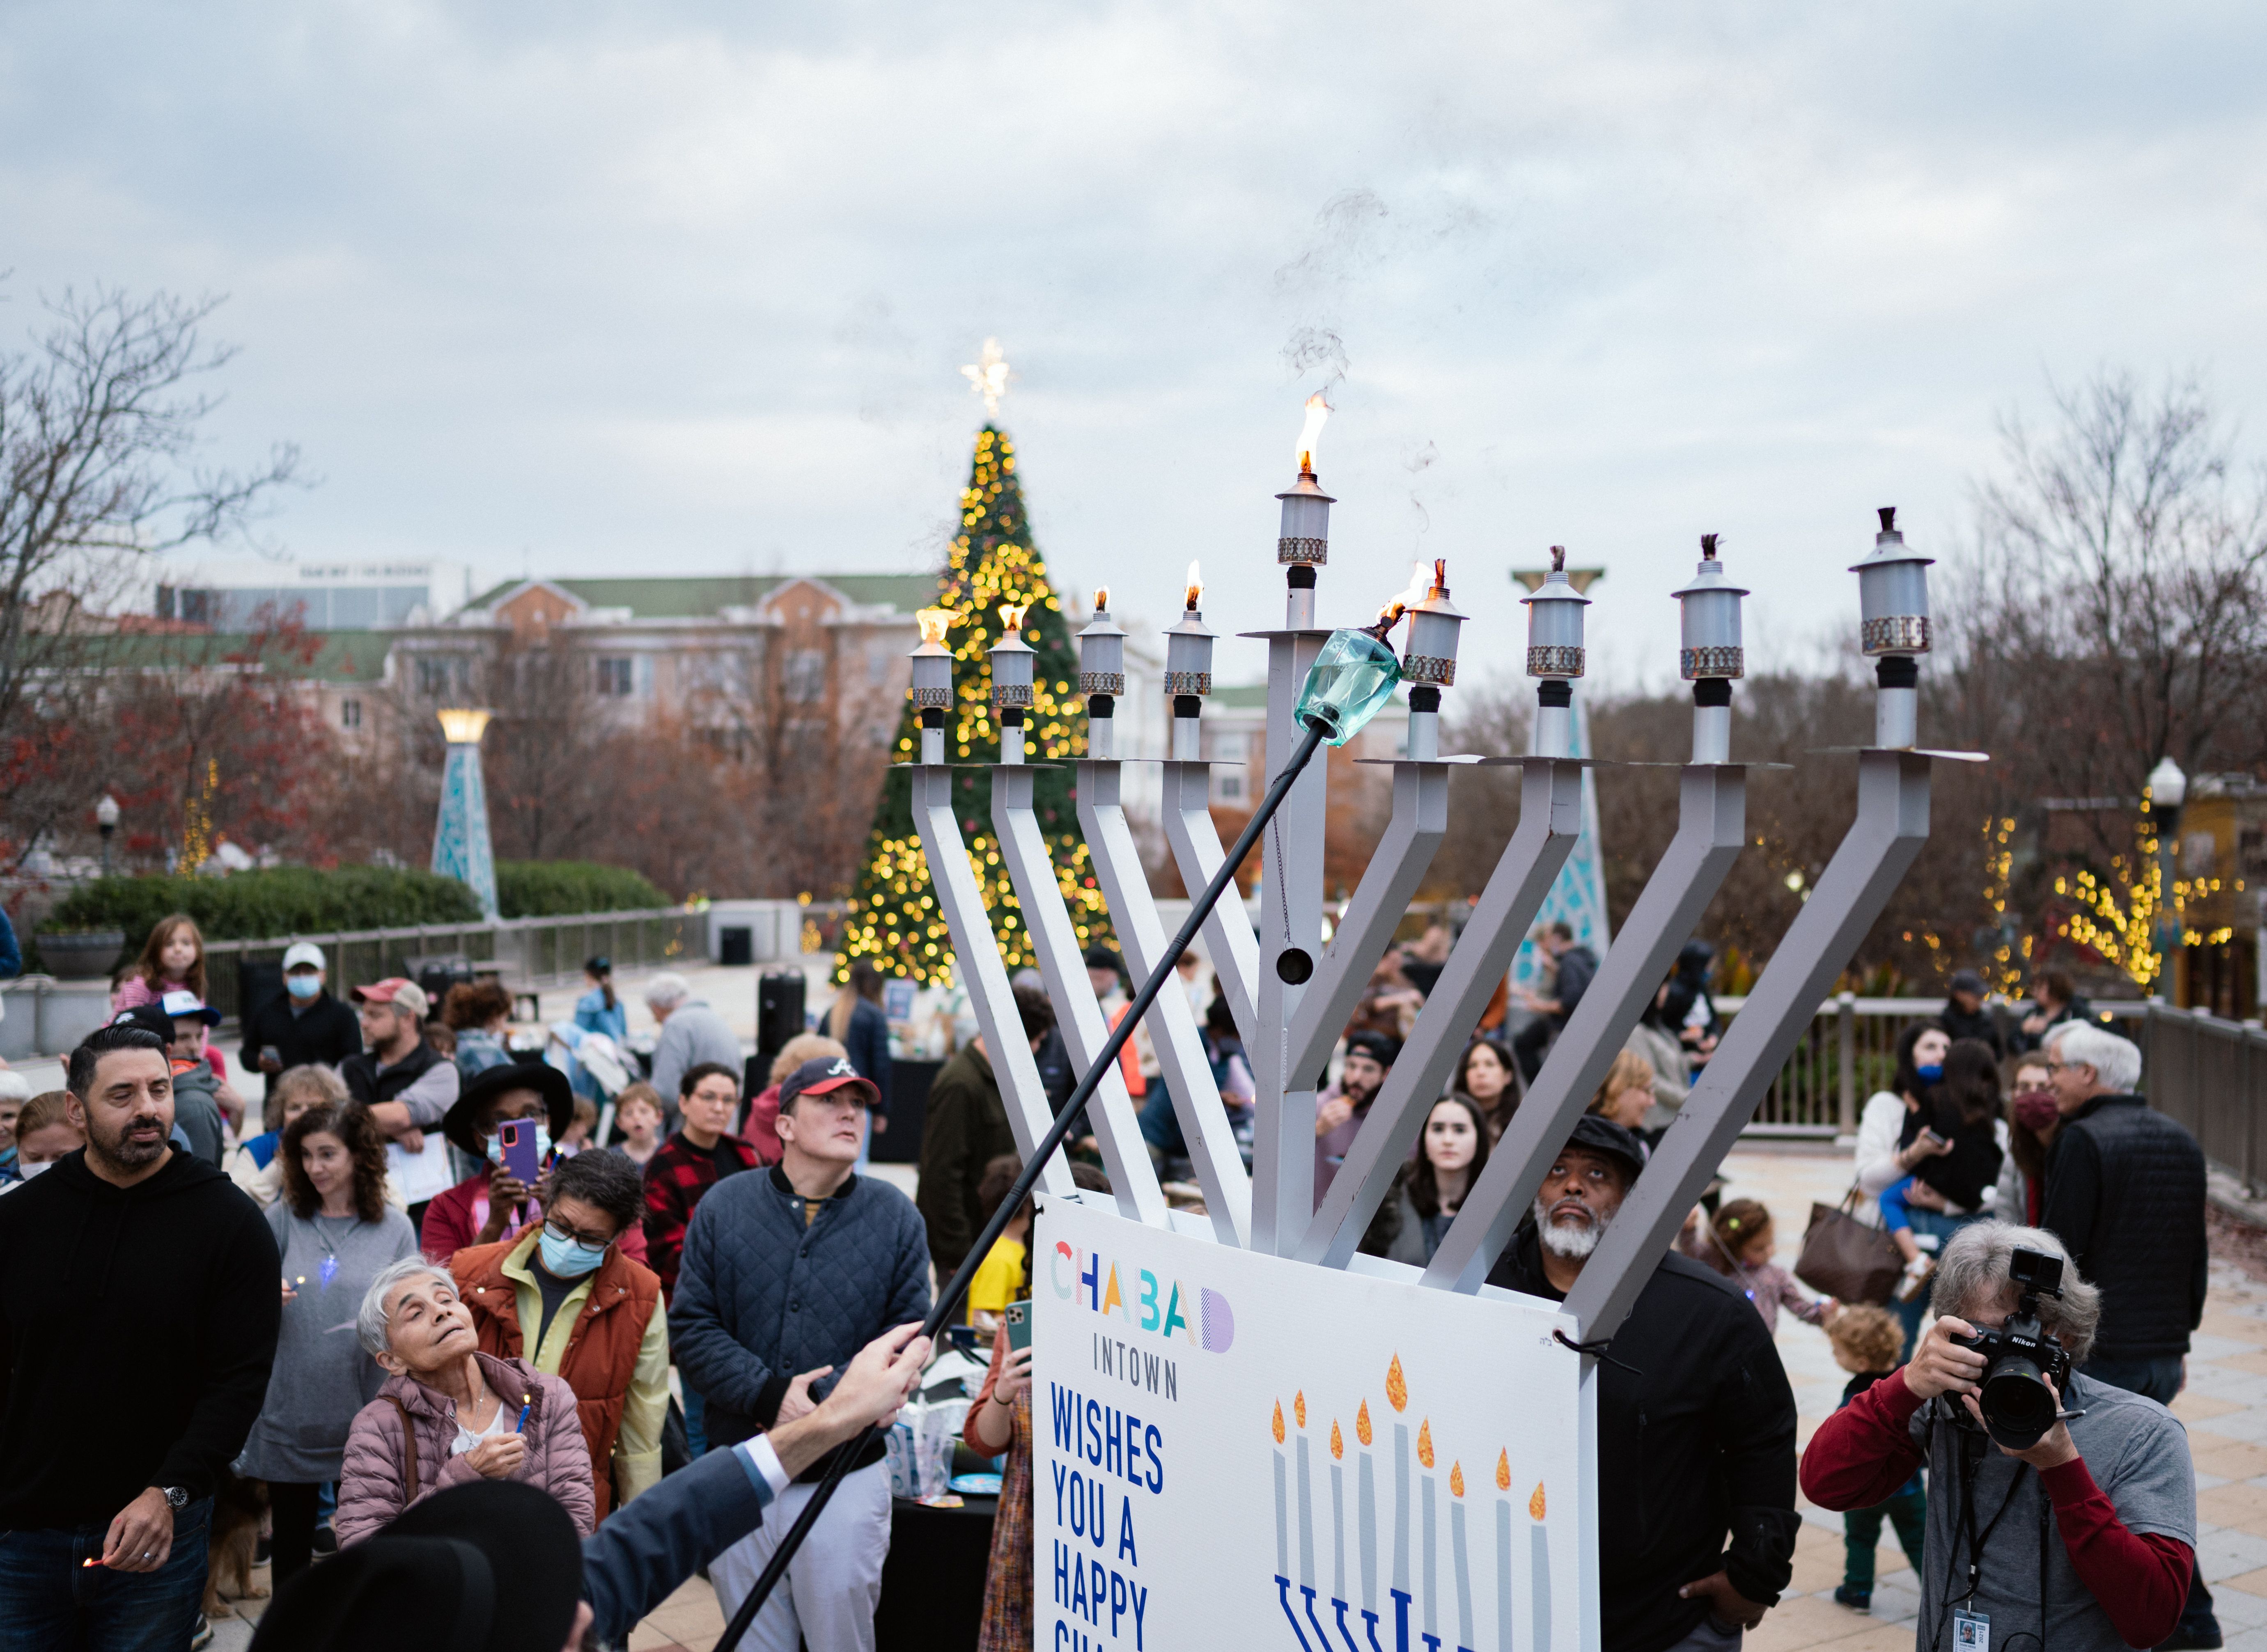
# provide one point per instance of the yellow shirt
(998, 1280)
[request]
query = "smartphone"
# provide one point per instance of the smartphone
(1018, 1316)
(1931, 1137)
(269, 1052)
(516, 1138)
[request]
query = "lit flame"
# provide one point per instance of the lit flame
(1503, 1470)
(1456, 1480)
(1299, 1407)
(1102, 600)
(1361, 1423)
(1397, 1386)
(1279, 1422)
(933, 623)
(1196, 587)
(1338, 1440)
(1441, 573)
(1425, 1443)
(1534, 1504)
(1011, 617)
(1318, 410)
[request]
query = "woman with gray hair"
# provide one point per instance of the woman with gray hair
(449, 1415)
(2084, 1539)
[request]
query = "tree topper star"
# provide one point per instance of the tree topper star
(988, 376)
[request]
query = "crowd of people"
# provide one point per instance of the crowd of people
(433, 1329)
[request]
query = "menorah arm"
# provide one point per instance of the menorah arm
(1062, 963)
(1891, 827)
(1420, 820)
(1712, 826)
(1550, 822)
(1197, 853)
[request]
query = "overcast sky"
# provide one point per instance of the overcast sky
(656, 287)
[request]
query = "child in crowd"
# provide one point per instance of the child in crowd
(1000, 1279)
(44, 1134)
(1867, 1341)
(578, 1132)
(1967, 1144)
(1738, 1243)
(637, 1117)
(1626, 1096)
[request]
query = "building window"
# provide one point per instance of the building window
(350, 714)
(432, 677)
(804, 675)
(617, 678)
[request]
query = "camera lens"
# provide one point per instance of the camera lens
(2017, 1405)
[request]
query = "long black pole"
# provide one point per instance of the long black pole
(949, 1299)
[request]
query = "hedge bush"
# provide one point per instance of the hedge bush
(255, 905)
(546, 889)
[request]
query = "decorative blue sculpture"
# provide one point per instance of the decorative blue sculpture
(461, 850)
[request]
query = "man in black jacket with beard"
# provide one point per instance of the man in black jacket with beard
(1695, 1423)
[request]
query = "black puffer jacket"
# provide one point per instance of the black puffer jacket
(1695, 1450)
(2125, 1196)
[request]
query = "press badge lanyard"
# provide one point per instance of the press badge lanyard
(1972, 1631)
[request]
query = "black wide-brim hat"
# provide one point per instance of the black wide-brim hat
(491, 1566)
(462, 1124)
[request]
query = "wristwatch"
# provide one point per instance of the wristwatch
(176, 1497)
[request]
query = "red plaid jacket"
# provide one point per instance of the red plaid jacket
(677, 1178)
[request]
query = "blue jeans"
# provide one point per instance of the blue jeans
(49, 1597)
(2160, 1379)
(696, 1411)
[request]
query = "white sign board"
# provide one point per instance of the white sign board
(1237, 1450)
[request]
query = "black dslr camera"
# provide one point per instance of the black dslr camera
(2018, 1406)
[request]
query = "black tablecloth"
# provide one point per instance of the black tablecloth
(932, 1583)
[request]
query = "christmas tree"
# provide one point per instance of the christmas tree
(894, 917)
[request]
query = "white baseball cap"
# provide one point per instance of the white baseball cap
(302, 952)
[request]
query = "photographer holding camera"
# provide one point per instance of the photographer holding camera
(2061, 1509)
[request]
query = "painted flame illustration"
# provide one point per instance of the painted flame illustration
(1299, 1407)
(1338, 1440)
(1503, 1471)
(1361, 1423)
(1397, 1386)
(1534, 1504)
(1456, 1480)
(1279, 1428)
(1425, 1443)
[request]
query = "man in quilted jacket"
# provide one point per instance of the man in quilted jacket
(787, 1273)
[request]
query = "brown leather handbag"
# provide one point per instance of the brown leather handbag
(1845, 1258)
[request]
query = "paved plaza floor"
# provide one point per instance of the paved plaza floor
(2225, 1410)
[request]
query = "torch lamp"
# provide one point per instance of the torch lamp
(1554, 654)
(933, 680)
(1012, 659)
(105, 821)
(1431, 662)
(1102, 676)
(1711, 656)
(1893, 627)
(1303, 543)
(1188, 671)
(2168, 790)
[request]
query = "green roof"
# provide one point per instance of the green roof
(701, 597)
(345, 656)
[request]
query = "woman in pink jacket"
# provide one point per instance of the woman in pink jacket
(449, 1415)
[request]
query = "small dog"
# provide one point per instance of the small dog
(238, 1505)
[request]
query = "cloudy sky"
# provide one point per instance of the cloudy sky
(585, 289)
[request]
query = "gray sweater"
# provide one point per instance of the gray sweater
(322, 1376)
(762, 1296)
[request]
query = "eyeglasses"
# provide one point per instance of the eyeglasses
(595, 1241)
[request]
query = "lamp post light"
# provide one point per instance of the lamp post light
(2166, 789)
(105, 821)
(461, 845)
(1712, 655)
(1554, 654)
(1102, 677)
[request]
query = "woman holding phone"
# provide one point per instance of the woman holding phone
(503, 1199)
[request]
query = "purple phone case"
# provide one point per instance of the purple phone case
(518, 1136)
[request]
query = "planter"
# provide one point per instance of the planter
(82, 954)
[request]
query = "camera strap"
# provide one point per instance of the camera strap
(1977, 1540)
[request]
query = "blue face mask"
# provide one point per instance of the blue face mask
(569, 1258)
(303, 985)
(1933, 1074)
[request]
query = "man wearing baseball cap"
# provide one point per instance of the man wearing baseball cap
(1696, 1422)
(407, 1085)
(306, 1025)
(787, 1273)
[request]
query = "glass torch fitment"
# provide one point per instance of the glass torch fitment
(1893, 627)
(1102, 676)
(1188, 671)
(1554, 654)
(1711, 654)
(933, 680)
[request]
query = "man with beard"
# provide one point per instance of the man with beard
(1340, 1109)
(1695, 1423)
(138, 1315)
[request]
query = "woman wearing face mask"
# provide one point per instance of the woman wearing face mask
(44, 1134)
(1451, 1155)
(2032, 1119)
(336, 1234)
(495, 1203)
(565, 1300)
(1890, 1144)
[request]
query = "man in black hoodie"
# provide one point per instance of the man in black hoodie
(1695, 1423)
(139, 1304)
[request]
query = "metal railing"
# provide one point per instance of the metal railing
(523, 952)
(2210, 1076)
(1848, 1053)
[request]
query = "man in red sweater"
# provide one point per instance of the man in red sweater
(2085, 1541)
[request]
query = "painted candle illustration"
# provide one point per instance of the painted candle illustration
(1463, 1563)
(1503, 1551)
(1539, 1580)
(1366, 1546)
(1282, 1515)
(1396, 1395)
(1306, 1496)
(1429, 1580)
(1338, 1513)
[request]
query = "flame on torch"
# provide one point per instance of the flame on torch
(1102, 600)
(933, 623)
(1318, 410)
(1011, 617)
(1196, 589)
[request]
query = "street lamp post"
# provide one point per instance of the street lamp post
(105, 821)
(2167, 788)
